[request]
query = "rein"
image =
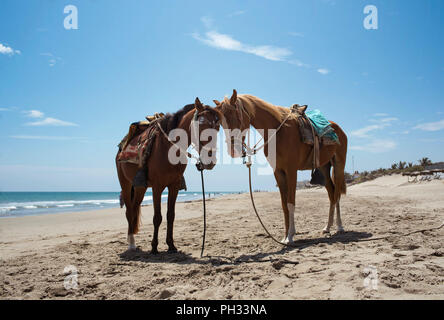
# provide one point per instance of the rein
(252, 151)
(248, 163)
(189, 155)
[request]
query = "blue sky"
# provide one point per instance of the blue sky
(68, 96)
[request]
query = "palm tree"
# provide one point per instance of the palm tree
(410, 164)
(425, 162)
(401, 165)
(394, 166)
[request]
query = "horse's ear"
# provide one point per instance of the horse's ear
(233, 98)
(198, 105)
(216, 102)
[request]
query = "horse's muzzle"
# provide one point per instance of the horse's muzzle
(209, 166)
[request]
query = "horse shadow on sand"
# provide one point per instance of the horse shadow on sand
(180, 257)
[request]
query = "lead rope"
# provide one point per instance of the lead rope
(257, 214)
(248, 163)
(200, 168)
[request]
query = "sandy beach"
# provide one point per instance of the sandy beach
(241, 262)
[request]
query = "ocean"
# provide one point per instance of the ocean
(15, 204)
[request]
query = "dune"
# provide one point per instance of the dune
(241, 262)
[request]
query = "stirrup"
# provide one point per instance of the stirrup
(317, 178)
(183, 184)
(140, 180)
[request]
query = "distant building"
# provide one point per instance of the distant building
(438, 165)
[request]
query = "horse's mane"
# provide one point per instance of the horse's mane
(171, 120)
(249, 103)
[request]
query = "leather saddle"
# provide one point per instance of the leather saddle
(136, 148)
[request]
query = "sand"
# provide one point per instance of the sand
(241, 262)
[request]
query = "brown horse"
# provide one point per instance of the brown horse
(164, 173)
(290, 155)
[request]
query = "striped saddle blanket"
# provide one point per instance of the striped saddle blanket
(136, 145)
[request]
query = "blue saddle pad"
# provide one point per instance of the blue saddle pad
(321, 125)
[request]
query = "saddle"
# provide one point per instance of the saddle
(136, 145)
(310, 135)
(136, 148)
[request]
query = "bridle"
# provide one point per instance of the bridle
(194, 129)
(246, 149)
(198, 120)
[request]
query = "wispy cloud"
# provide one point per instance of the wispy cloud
(226, 42)
(52, 60)
(379, 124)
(216, 39)
(385, 119)
(366, 135)
(363, 132)
(51, 122)
(431, 126)
(45, 121)
(236, 13)
(296, 34)
(55, 138)
(4, 49)
(34, 113)
(299, 63)
(375, 146)
(207, 21)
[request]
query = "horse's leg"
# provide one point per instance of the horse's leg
(172, 196)
(292, 177)
(339, 181)
(126, 187)
(331, 191)
(282, 184)
(137, 198)
(338, 217)
(157, 219)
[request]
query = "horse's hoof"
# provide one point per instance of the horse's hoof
(340, 230)
(154, 251)
(325, 231)
(132, 248)
(287, 241)
(172, 250)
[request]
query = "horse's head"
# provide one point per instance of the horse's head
(235, 122)
(204, 129)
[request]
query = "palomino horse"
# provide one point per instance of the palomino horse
(163, 173)
(291, 154)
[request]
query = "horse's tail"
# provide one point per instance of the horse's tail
(338, 179)
(339, 164)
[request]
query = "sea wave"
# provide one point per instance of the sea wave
(18, 208)
(13, 206)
